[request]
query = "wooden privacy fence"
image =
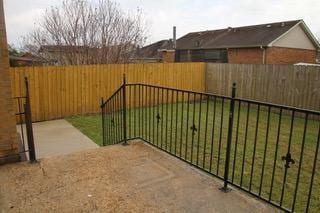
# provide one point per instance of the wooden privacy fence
(297, 86)
(57, 92)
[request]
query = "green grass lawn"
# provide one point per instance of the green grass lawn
(253, 148)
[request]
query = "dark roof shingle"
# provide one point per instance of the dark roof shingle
(152, 51)
(248, 36)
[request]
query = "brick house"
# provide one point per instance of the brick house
(272, 43)
(287, 42)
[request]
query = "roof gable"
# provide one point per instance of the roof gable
(296, 37)
(248, 36)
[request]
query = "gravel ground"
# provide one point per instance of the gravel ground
(134, 178)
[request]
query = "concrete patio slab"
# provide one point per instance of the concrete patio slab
(134, 178)
(58, 137)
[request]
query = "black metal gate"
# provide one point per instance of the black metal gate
(24, 120)
(267, 150)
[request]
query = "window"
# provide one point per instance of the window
(201, 55)
(218, 55)
(197, 55)
(182, 55)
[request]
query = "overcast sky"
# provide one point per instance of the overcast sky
(187, 15)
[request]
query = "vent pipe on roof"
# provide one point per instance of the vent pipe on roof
(174, 42)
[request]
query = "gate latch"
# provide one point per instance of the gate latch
(288, 160)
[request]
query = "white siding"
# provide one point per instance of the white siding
(295, 38)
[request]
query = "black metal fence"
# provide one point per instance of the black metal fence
(267, 150)
(24, 119)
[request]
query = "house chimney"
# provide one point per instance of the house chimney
(174, 42)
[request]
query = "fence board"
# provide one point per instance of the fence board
(297, 86)
(57, 92)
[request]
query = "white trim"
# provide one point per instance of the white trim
(307, 64)
(165, 50)
(305, 29)
(310, 35)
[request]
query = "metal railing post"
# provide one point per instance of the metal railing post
(103, 127)
(29, 129)
(229, 140)
(124, 111)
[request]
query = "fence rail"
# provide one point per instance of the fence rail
(261, 148)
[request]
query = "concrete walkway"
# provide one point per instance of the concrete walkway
(58, 137)
(134, 178)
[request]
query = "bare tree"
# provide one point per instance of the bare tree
(78, 32)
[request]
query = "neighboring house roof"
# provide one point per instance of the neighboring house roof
(27, 57)
(152, 51)
(239, 37)
(79, 49)
(63, 48)
(17, 58)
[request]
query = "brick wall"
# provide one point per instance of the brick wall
(273, 55)
(245, 56)
(168, 56)
(280, 55)
(8, 133)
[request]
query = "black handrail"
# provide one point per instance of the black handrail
(234, 144)
(25, 117)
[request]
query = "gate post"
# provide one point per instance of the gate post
(103, 123)
(29, 129)
(229, 140)
(124, 111)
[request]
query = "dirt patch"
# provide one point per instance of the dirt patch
(134, 178)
